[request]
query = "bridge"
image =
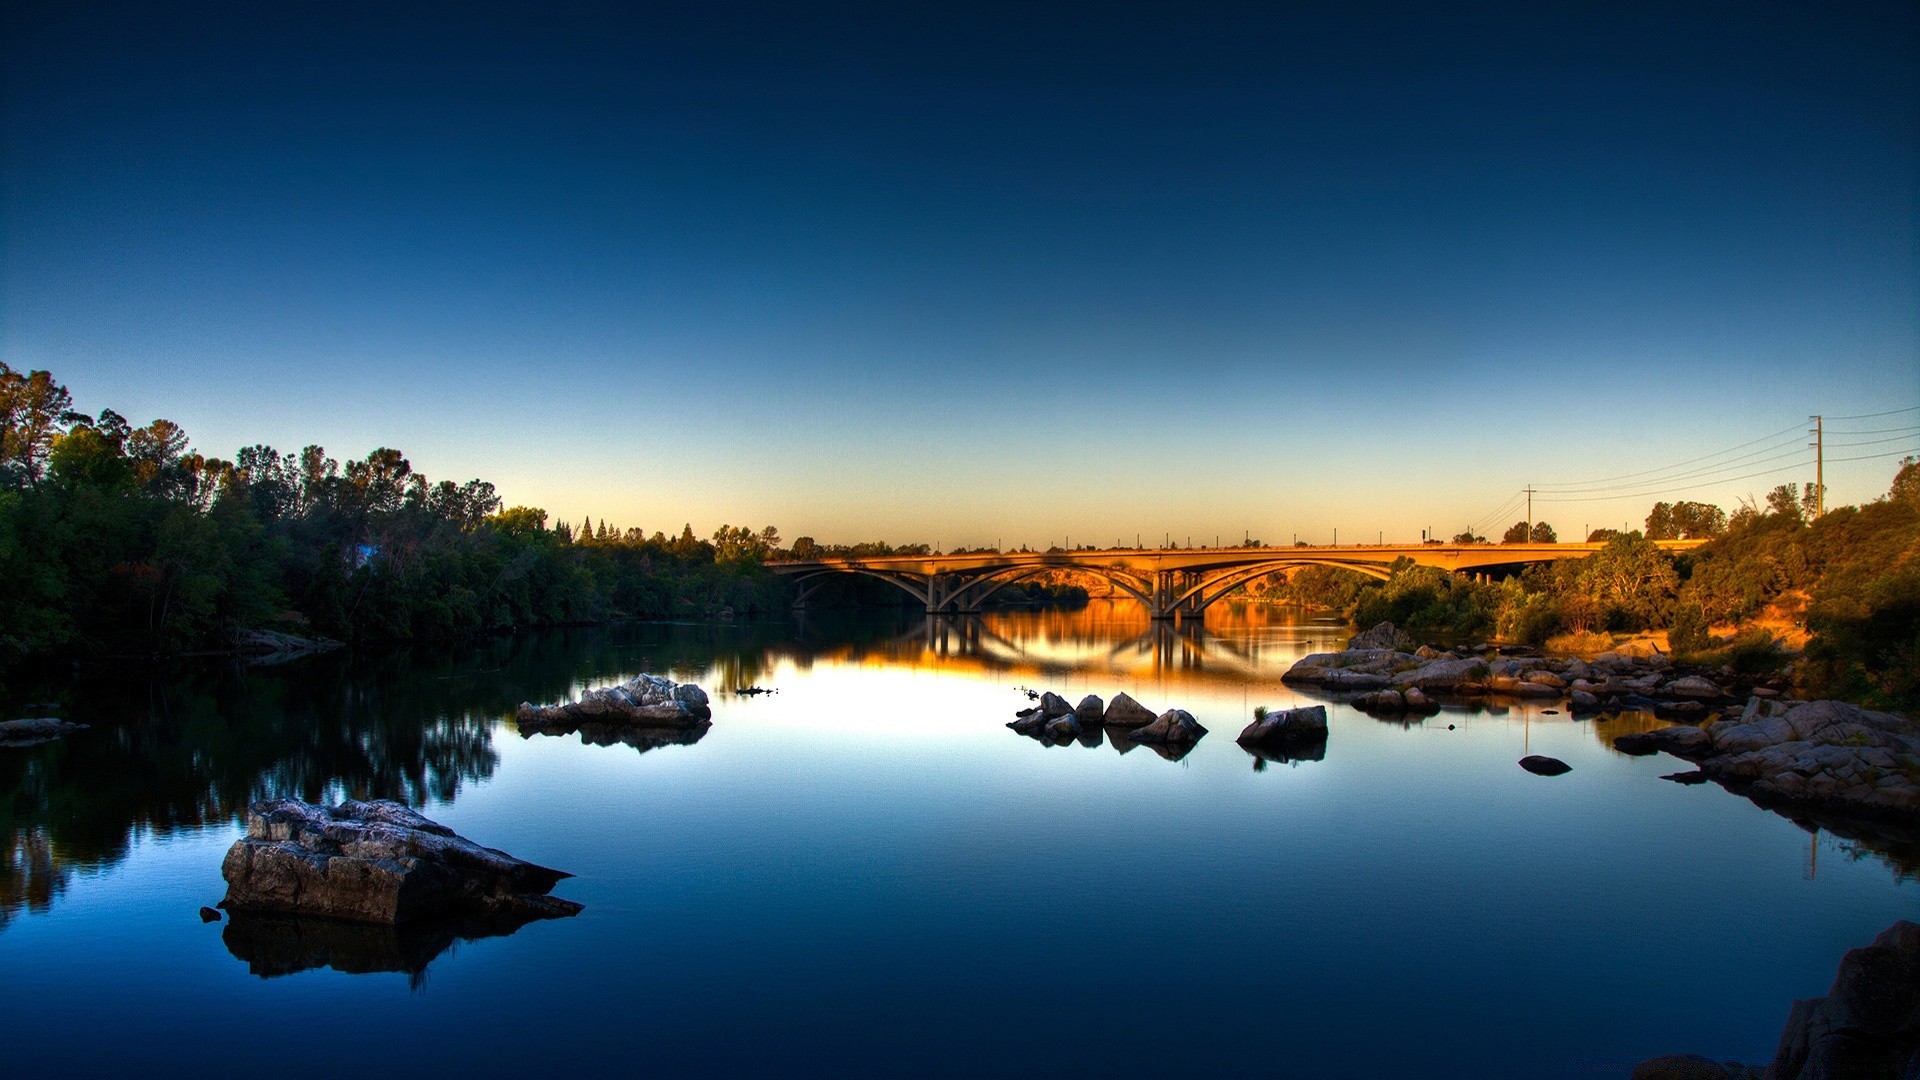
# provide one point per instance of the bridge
(1173, 583)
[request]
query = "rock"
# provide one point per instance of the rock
(1052, 704)
(1031, 722)
(1383, 636)
(1284, 726)
(1583, 702)
(1442, 675)
(1693, 777)
(1381, 701)
(208, 914)
(1544, 766)
(1427, 652)
(1693, 686)
(1417, 700)
(35, 730)
(1691, 1067)
(1090, 710)
(1507, 684)
(1680, 740)
(1175, 727)
(1541, 677)
(645, 700)
(376, 862)
(271, 646)
(1062, 728)
(1123, 711)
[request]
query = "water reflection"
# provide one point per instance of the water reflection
(276, 945)
(189, 747)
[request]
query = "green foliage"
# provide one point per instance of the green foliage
(1687, 633)
(1685, 521)
(121, 540)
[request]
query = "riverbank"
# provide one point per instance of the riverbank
(1854, 770)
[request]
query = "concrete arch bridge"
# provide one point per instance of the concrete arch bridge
(1172, 583)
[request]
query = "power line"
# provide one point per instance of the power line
(1703, 475)
(1880, 431)
(1874, 442)
(1690, 487)
(1775, 437)
(1871, 415)
(1876, 457)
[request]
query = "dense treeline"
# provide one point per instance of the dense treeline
(118, 540)
(1849, 578)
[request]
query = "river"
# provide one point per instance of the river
(865, 873)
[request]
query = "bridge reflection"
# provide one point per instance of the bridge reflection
(1110, 640)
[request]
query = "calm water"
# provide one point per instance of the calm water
(865, 873)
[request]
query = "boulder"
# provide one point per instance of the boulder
(1417, 700)
(1062, 728)
(1175, 727)
(645, 700)
(1691, 1067)
(1442, 675)
(1052, 704)
(1282, 726)
(1693, 686)
(1381, 701)
(1383, 636)
(208, 914)
(1681, 740)
(35, 730)
(1540, 765)
(376, 862)
(1123, 711)
(1090, 710)
(1582, 701)
(1031, 722)
(1869, 1022)
(1868, 1025)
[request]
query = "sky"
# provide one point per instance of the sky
(987, 273)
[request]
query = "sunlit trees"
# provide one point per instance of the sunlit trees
(1519, 533)
(33, 411)
(1685, 521)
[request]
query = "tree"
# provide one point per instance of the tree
(33, 409)
(1465, 536)
(1784, 501)
(1906, 483)
(1685, 521)
(1543, 533)
(1516, 533)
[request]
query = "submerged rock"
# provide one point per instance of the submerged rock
(35, 730)
(376, 862)
(1541, 765)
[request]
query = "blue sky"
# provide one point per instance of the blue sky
(983, 272)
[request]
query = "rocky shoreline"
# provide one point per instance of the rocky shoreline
(1824, 758)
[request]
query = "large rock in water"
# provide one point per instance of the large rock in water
(1123, 711)
(1868, 1025)
(1284, 726)
(1174, 727)
(1383, 636)
(376, 862)
(645, 700)
(35, 730)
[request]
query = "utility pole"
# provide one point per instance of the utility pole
(1529, 491)
(1819, 466)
